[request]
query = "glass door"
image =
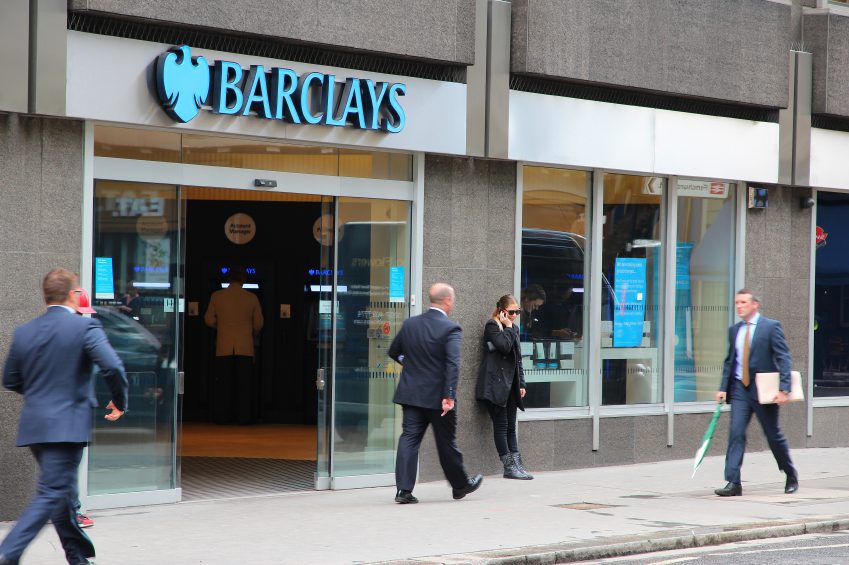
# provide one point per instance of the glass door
(322, 321)
(136, 296)
(363, 310)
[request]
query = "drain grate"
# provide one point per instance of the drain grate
(225, 477)
(583, 506)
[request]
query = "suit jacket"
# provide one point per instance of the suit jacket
(768, 353)
(50, 363)
(236, 314)
(501, 366)
(428, 348)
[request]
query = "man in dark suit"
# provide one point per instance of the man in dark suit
(50, 363)
(428, 348)
(755, 345)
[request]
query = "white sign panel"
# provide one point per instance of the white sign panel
(703, 188)
(114, 79)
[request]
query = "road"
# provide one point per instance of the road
(812, 549)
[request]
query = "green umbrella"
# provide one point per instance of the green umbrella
(700, 454)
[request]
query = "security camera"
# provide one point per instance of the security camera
(807, 202)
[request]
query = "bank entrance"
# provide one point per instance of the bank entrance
(331, 273)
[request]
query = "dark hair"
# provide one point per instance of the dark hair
(57, 284)
(502, 304)
(236, 275)
(750, 293)
(533, 292)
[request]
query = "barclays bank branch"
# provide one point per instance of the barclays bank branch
(345, 171)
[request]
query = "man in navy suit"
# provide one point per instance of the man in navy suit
(50, 363)
(428, 348)
(755, 345)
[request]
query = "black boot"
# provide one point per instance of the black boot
(517, 458)
(511, 471)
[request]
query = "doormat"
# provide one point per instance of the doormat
(205, 478)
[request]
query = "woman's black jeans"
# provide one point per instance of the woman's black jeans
(504, 426)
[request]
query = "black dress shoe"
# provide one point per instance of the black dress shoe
(731, 489)
(792, 485)
(405, 497)
(473, 485)
(6, 561)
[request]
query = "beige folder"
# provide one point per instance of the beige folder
(768, 387)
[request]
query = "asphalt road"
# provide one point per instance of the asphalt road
(812, 549)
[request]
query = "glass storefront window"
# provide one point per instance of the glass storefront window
(831, 296)
(217, 151)
(704, 286)
(554, 265)
(631, 300)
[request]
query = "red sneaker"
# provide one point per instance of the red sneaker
(84, 521)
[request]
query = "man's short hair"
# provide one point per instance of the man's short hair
(57, 284)
(237, 274)
(750, 293)
(439, 292)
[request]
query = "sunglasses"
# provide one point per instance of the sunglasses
(513, 312)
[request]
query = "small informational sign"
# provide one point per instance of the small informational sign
(629, 310)
(396, 284)
(168, 305)
(703, 188)
(240, 228)
(683, 250)
(285, 311)
(104, 285)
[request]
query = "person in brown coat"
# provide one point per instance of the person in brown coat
(236, 315)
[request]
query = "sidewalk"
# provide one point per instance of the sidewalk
(628, 508)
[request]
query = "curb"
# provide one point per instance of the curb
(570, 553)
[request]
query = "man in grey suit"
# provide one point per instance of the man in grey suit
(50, 363)
(755, 345)
(428, 348)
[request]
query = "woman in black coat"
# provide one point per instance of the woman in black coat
(501, 383)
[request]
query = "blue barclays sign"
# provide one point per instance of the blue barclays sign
(185, 84)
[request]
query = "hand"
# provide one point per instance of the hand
(505, 319)
(782, 398)
(447, 406)
(522, 392)
(720, 396)
(114, 414)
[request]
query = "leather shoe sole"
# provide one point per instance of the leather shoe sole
(473, 485)
(729, 490)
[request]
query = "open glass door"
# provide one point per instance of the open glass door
(371, 302)
(136, 296)
(322, 320)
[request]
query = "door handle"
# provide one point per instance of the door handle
(319, 379)
(181, 382)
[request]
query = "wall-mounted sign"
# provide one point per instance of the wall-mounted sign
(240, 228)
(703, 188)
(104, 287)
(185, 84)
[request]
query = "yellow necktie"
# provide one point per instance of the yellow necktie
(746, 356)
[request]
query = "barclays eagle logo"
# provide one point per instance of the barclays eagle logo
(182, 83)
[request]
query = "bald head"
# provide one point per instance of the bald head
(442, 296)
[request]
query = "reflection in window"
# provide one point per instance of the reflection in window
(135, 270)
(553, 269)
(831, 296)
(631, 309)
(704, 279)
